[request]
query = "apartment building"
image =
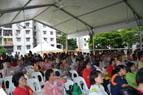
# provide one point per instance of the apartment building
(6, 37)
(23, 36)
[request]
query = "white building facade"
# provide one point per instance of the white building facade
(6, 37)
(82, 43)
(21, 37)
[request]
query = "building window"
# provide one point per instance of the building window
(27, 39)
(27, 24)
(18, 39)
(7, 32)
(45, 39)
(8, 26)
(45, 32)
(51, 32)
(85, 45)
(27, 31)
(17, 32)
(52, 45)
(52, 39)
(28, 46)
(19, 47)
(44, 26)
(84, 39)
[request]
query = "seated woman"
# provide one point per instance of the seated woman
(139, 79)
(9, 71)
(118, 81)
(46, 65)
(131, 74)
(21, 87)
(54, 85)
(86, 73)
(20, 67)
(96, 79)
(111, 66)
(38, 67)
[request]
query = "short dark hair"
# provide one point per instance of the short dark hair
(16, 77)
(139, 76)
(117, 69)
(129, 91)
(129, 65)
(111, 61)
(94, 74)
(48, 74)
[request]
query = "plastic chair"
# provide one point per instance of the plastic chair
(1, 73)
(73, 73)
(57, 70)
(29, 69)
(39, 77)
(9, 86)
(82, 84)
(34, 84)
(68, 84)
(109, 89)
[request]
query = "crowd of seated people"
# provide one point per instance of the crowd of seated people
(113, 68)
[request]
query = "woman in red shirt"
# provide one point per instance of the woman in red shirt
(111, 66)
(21, 87)
(86, 73)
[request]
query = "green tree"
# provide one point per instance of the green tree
(115, 39)
(2, 50)
(62, 40)
(72, 44)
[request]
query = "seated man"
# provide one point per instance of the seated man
(20, 67)
(9, 71)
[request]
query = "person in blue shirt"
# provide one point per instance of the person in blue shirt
(20, 67)
(118, 81)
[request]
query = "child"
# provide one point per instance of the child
(95, 80)
(118, 81)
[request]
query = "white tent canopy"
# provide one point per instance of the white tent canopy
(97, 15)
(44, 47)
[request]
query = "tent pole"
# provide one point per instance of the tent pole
(66, 43)
(140, 32)
(93, 42)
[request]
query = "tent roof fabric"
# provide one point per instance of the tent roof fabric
(99, 15)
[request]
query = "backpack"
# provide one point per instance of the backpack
(74, 90)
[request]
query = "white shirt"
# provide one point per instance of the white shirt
(101, 70)
(121, 63)
(97, 90)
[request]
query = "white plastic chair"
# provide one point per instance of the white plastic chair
(109, 89)
(29, 69)
(9, 86)
(1, 73)
(82, 84)
(39, 77)
(73, 73)
(57, 70)
(68, 84)
(34, 84)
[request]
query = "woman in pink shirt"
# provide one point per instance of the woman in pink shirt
(54, 85)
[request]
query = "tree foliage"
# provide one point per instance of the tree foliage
(71, 42)
(2, 50)
(115, 39)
